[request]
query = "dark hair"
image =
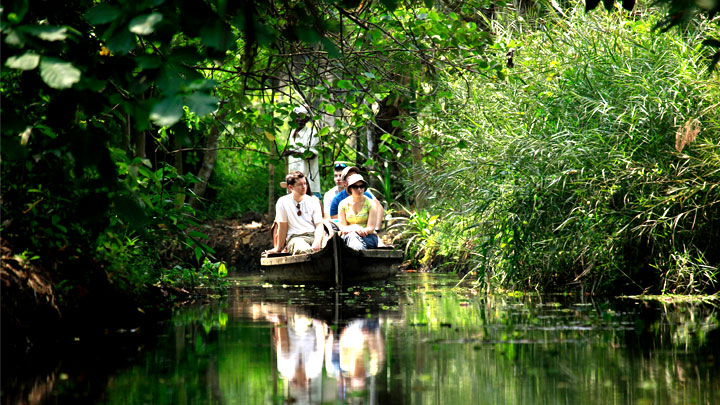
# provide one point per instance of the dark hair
(292, 177)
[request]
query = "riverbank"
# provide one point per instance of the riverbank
(45, 304)
(40, 307)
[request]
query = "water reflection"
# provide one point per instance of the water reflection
(350, 352)
(418, 341)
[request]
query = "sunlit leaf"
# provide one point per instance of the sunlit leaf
(145, 24)
(46, 32)
(27, 61)
(58, 74)
(167, 112)
(201, 104)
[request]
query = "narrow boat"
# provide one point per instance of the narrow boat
(335, 264)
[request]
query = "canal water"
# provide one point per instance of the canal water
(418, 340)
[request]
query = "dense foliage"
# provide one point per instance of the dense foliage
(118, 116)
(114, 113)
(593, 165)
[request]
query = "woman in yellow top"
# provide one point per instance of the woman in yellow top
(354, 214)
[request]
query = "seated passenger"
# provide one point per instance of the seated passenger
(299, 218)
(356, 216)
(339, 186)
(343, 194)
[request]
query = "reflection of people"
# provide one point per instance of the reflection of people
(359, 353)
(299, 219)
(302, 155)
(299, 349)
(357, 215)
(339, 186)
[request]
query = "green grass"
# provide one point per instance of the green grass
(567, 174)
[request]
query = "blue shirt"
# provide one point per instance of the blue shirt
(341, 196)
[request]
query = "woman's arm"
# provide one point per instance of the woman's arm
(370, 224)
(342, 221)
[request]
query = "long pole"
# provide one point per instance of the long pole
(336, 260)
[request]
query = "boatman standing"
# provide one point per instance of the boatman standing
(302, 155)
(299, 219)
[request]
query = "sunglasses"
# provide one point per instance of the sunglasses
(360, 186)
(298, 208)
(340, 166)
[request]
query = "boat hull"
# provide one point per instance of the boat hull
(319, 267)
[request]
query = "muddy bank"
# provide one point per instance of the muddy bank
(42, 305)
(239, 242)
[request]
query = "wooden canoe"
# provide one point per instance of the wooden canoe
(320, 267)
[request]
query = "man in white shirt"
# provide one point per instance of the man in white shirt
(299, 219)
(339, 186)
(302, 155)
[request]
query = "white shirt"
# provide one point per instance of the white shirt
(328, 197)
(306, 343)
(305, 139)
(286, 210)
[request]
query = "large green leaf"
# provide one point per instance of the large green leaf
(15, 10)
(122, 42)
(58, 74)
(27, 61)
(201, 104)
(46, 32)
(102, 14)
(145, 24)
(168, 111)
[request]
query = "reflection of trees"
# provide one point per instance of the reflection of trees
(463, 347)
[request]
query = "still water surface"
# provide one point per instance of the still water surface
(416, 341)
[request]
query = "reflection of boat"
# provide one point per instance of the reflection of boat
(334, 264)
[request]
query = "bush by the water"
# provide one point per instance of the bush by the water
(593, 164)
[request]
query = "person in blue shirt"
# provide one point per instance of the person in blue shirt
(344, 194)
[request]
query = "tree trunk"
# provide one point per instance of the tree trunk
(140, 145)
(208, 164)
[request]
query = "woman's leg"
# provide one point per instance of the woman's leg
(354, 241)
(370, 241)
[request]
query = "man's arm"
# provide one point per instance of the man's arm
(319, 229)
(282, 234)
(334, 207)
(317, 242)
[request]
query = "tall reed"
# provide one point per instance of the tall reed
(594, 164)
